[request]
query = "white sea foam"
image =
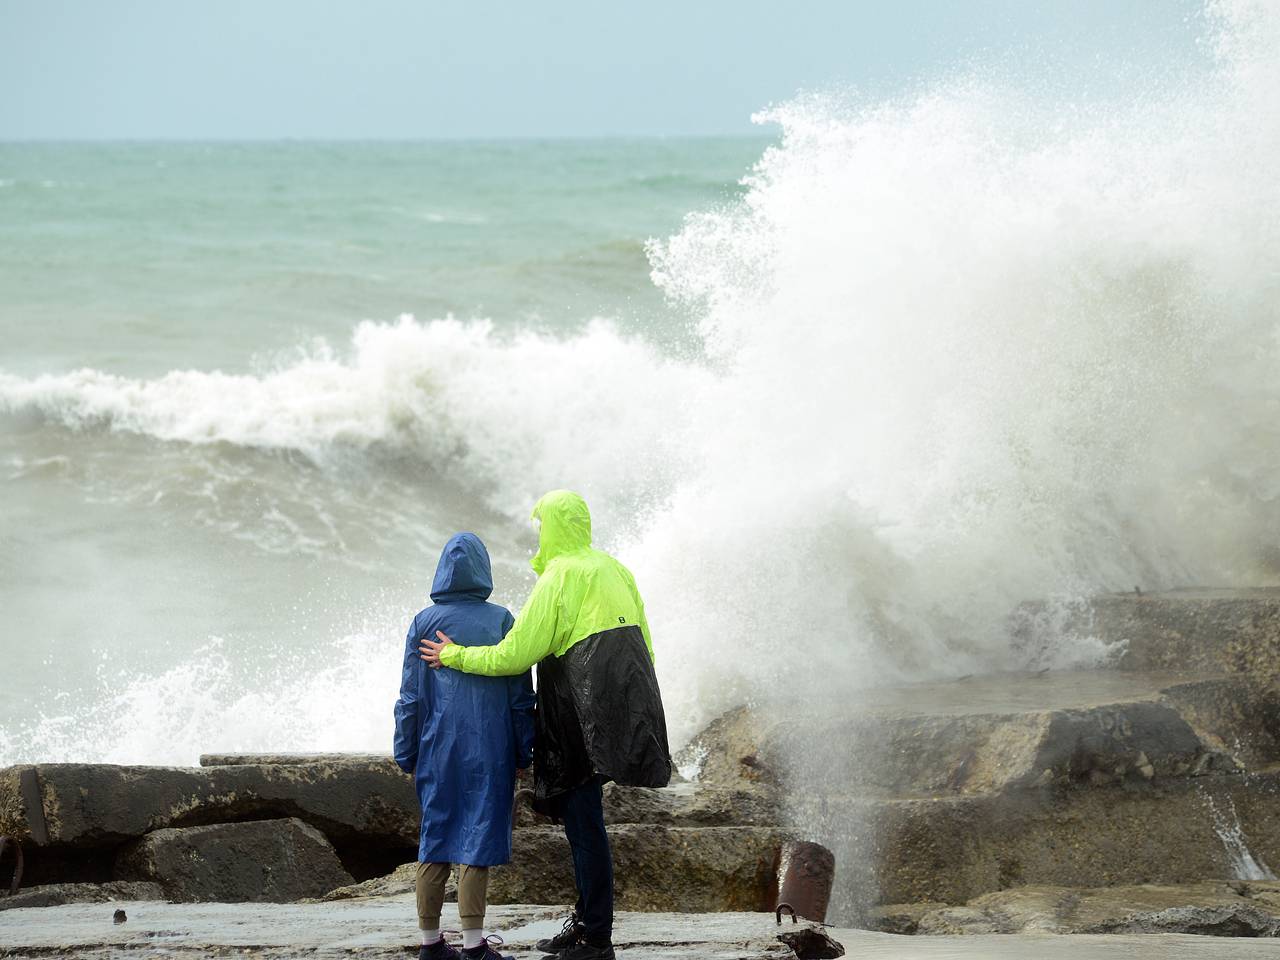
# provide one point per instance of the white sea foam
(338, 694)
(514, 415)
(961, 351)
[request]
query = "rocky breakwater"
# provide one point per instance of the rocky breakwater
(283, 828)
(1016, 796)
(236, 828)
(1143, 797)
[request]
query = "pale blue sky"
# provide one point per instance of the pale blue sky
(179, 69)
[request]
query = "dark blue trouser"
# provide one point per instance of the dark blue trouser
(582, 810)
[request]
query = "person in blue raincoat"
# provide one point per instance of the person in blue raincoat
(463, 737)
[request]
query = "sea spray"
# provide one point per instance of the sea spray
(973, 350)
(336, 695)
(1240, 860)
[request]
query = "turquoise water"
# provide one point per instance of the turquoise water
(141, 258)
(123, 550)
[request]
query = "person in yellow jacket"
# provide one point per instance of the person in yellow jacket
(599, 715)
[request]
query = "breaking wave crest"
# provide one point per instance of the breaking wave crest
(510, 414)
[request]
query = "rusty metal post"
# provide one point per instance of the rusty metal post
(5, 842)
(805, 874)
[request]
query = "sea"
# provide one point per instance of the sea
(842, 394)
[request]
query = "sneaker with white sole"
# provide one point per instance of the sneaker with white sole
(568, 937)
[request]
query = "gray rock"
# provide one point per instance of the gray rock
(402, 880)
(366, 802)
(656, 868)
(946, 791)
(1232, 921)
(955, 849)
(995, 734)
(56, 894)
(275, 861)
(728, 752)
(954, 921)
(693, 805)
(900, 918)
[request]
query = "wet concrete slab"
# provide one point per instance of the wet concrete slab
(384, 927)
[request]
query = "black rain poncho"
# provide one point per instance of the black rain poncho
(599, 708)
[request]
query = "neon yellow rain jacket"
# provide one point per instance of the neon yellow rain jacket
(599, 709)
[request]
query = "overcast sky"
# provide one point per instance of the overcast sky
(179, 69)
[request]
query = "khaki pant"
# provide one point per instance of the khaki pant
(473, 886)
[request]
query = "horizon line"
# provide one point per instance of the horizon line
(514, 138)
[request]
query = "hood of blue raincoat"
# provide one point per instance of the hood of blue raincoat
(565, 527)
(463, 572)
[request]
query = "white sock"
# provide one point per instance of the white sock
(430, 936)
(472, 938)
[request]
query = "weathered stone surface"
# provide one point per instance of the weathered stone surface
(955, 849)
(1214, 909)
(401, 880)
(1199, 630)
(1238, 716)
(294, 759)
(1240, 920)
(727, 752)
(264, 860)
(902, 919)
(976, 754)
(693, 805)
(55, 894)
(992, 734)
(692, 869)
(368, 809)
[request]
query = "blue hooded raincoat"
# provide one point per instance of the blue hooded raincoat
(462, 735)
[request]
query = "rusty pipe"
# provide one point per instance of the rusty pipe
(806, 872)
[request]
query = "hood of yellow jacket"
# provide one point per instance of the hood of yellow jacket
(565, 527)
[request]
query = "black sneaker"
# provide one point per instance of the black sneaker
(440, 950)
(570, 936)
(587, 951)
(485, 951)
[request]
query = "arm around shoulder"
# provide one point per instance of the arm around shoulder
(530, 638)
